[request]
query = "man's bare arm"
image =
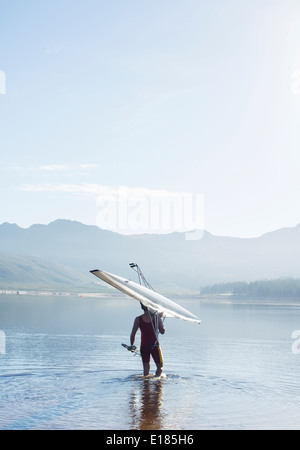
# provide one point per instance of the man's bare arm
(161, 326)
(134, 330)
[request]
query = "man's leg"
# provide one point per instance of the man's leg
(145, 354)
(159, 370)
(146, 368)
(159, 361)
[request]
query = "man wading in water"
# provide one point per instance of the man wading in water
(149, 343)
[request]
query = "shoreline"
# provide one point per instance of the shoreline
(228, 299)
(49, 293)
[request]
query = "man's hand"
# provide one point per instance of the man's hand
(132, 348)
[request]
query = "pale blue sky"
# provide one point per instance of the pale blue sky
(199, 96)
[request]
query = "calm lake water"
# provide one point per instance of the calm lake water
(62, 366)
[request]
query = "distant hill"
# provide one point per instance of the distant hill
(171, 262)
(27, 272)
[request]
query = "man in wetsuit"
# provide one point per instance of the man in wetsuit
(149, 343)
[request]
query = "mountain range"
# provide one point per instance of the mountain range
(62, 253)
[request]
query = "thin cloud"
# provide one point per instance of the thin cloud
(88, 166)
(103, 192)
(54, 167)
(90, 190)
(131, 210)
(54, 50)
(50, 168)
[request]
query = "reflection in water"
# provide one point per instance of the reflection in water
(145, 404)
(59, 368)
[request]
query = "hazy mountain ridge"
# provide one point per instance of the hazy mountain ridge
(169, 261)
(27, 272)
